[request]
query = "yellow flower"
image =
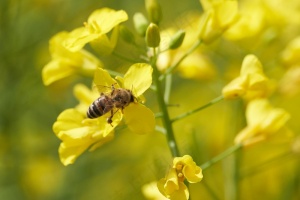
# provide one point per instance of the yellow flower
(137, 80)
(99, 23)
(79, 133)
(262, 121)
(172, 186)
(250, 22)
(65, 63)
(151, 191)
(290, 82)
(218, 17)
(291, 54)
(252, 83)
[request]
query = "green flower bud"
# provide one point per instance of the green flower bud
(140, 23)
(177, 39)
(126, 35)
(154, 11)
(152, 35)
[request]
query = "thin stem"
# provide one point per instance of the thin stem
(187, 53)
(221, 156)
(168, 88)
(163, 107)
(216, 100)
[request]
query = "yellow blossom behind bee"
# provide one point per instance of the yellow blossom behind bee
(252, 82)
(66, 63)
(262, 121)
(99, 23)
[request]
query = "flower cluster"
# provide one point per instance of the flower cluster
(119, 101)
(172, 186)
(79, 133)
(252, 83)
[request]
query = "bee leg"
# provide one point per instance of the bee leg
(109, 119)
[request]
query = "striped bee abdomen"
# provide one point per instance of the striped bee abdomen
(99, 107)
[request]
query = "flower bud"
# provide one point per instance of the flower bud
(140, 23)
(152, 35)
(126, 34)
(154, 11)
(177, 39)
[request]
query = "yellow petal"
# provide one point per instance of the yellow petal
(78, 38)
(76, 136)
(251, 65)
(226, 13)
(190, 170)
(68, 155)
(103, 80)
(262, 121)
(103, 45)
(105, 19)
(150, 191)
(68, 119)
(181, 194)
(236, 88)
(84, 94)
(168, 185)
(56, 70)
(102, 141)
(139, 118)
(138, 78)
(270, 119)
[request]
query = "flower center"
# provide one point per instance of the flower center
(180, 175)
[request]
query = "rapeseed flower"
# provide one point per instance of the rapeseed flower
(172, 186)
(290, 83)
(138, 79)
(95, 30)
(252, 82)
(151, 191)
(66, 63)
(79, 133)
(250, 23)
(218, 17)
(262, 121)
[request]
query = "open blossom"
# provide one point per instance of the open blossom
(250, 22)
(252, 82)
(66, 63)
(218, 16)
(151, 191)
(95, 30)
(172, 186)
(138, 79)
(78, 133)
(262, 121)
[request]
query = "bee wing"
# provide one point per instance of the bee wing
(103, 89)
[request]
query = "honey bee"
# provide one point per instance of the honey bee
(119, 98)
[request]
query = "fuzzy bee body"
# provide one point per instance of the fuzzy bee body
(119, 98)
(100, 106)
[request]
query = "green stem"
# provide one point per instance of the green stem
(168, 88)
(163, 107)
(216, 100)
(187, 53)
(221, 156)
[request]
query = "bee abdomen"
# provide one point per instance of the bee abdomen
(99, 107)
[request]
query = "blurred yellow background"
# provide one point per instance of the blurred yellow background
(29, 164)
